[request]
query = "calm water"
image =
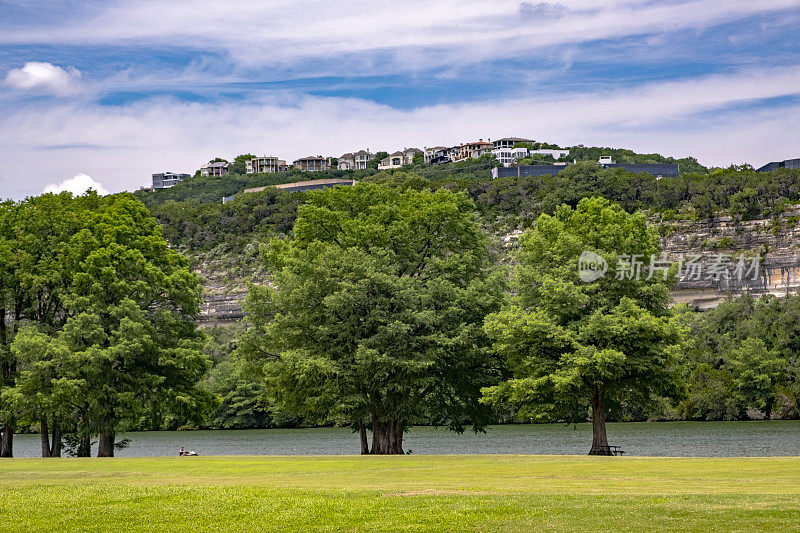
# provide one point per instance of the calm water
(676, 439)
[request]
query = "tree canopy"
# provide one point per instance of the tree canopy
(570, 344)
(374, 314)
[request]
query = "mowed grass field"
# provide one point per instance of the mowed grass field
(406, 493)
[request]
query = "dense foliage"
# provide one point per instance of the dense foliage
(744, 360)
(571, 343)
(103, 332)
(375, 317)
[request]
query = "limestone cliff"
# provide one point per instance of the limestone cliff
(776, 242)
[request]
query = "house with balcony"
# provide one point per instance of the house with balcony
(215, 168)
(312, 164)
(473, 150)
(265, 165)
(509, 142)
(399, 158)
(355, 161)
(431, 152)
(509, 156)
(165, 180)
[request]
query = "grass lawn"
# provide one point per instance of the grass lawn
(407, 493)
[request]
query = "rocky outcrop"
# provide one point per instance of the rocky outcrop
(722, 241)
(774, 244)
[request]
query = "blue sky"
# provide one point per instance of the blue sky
(115, 91)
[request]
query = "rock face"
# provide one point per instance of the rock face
(712, 243)
(768, 249)
(224, 291)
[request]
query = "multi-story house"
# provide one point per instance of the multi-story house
(509, 156)
(265, 164)
(509, 142)
(431, 152)
(399, 158)
(473, 149)
(165, 180)
(312, 164)
(355, 161)
(215, 168)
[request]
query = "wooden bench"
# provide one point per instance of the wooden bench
(612, 450)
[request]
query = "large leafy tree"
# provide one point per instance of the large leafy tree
(36, 273)
(134, 301)
(571, 344)
(111, 309)
(375, 311)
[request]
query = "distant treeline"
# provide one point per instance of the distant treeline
(193, 222)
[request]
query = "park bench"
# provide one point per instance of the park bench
(613, 450)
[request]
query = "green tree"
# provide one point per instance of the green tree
(373, 163)
(134, 301)
(375, 314)
(570, 343)
(239, 165)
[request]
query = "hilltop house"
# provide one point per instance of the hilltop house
(509, 156)
(165, 180)
(509, 142)
(473, 150)
(399, 158)
(215, 168)
(431, 153)
(312, 164)
(355, 161)
(265, 164)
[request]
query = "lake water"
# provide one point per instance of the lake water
(672, 439)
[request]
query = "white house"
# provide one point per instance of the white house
(355, 161)
(265, 164)
(218, 168)
(399, 158)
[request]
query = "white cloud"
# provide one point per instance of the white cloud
(36, 75)
(713, 118)
(77, 185)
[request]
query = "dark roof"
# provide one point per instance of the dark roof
(310, 158)
(775, 165)
(668, 170)
(515, 139)
(529, 170)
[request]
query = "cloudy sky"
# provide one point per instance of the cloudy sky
(108, 92)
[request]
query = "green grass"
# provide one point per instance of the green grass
(407, 493)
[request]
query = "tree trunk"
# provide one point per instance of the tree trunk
(362, 431)
(599, 437)
(84, 447)
(50, 448)
(105, 447)
(55, 447)
(7, 440)
(44, 435)
(387, 437)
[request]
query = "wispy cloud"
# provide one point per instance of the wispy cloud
(405, 35)
(165, 134)
(122, 89)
